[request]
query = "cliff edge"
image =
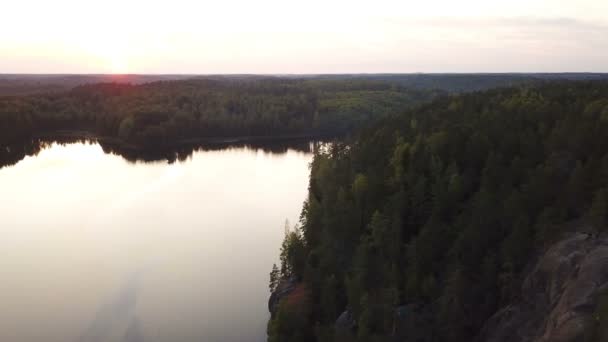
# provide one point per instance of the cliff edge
(559, 296)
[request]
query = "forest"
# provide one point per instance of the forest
(29, 84)
(172, 113)
(151, 112)
(462, 82)
(435, 212)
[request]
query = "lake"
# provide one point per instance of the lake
(97, 248)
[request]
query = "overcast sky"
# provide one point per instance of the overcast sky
(313, 36)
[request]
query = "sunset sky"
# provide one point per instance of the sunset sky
(315, 36)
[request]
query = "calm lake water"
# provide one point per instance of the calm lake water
(96, 248)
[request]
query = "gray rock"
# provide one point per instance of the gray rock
(559, 294)
(285, 287)
(345, 321)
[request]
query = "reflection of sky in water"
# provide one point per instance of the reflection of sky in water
(94, 248)
(117, 312)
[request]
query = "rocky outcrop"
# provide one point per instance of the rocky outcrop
(283, 290)
(558, 295)
(345, 321)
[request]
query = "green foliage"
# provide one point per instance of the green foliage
(275, 278)
(599, 327)
(290, 324)
(125, 128)
(169, 113)
(517, 244)
(599, 209)
(293, 257)
(443, 206)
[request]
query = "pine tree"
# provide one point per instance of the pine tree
(275, 278)
(599, 209)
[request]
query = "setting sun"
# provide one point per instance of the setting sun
(304, 171)
(269, 36)
(109, 49)
(117, 64)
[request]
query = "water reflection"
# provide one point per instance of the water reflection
(94, 247)
(134, 333)
(119, 309)
(13, 153)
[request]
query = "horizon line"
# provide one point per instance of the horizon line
(310, 74)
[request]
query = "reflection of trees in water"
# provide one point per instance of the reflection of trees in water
(13, 153)
(181, 153)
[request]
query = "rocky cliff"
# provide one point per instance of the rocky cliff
(560, 295)
(559, 302)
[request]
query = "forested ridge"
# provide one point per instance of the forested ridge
(434, 213)
(24, 84)
(459, 83)
(164, 113)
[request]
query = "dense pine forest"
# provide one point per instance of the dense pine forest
(167, 113)
(151, 111)
(434, 214)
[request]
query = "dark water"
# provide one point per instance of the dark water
(96, 248)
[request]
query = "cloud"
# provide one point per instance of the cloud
(517, 28)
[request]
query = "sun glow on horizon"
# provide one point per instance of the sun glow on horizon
(117, 63)
(110, 50)
(319, 36)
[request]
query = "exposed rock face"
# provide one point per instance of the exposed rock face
(286, 287)
(345, 321)
(559, 295)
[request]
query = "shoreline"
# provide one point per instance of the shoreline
(171, 151)
(178, 144)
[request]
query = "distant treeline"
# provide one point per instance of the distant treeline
(421, 228)
(23, 84)
(28, 84)
(170, 113)
(460, 83)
